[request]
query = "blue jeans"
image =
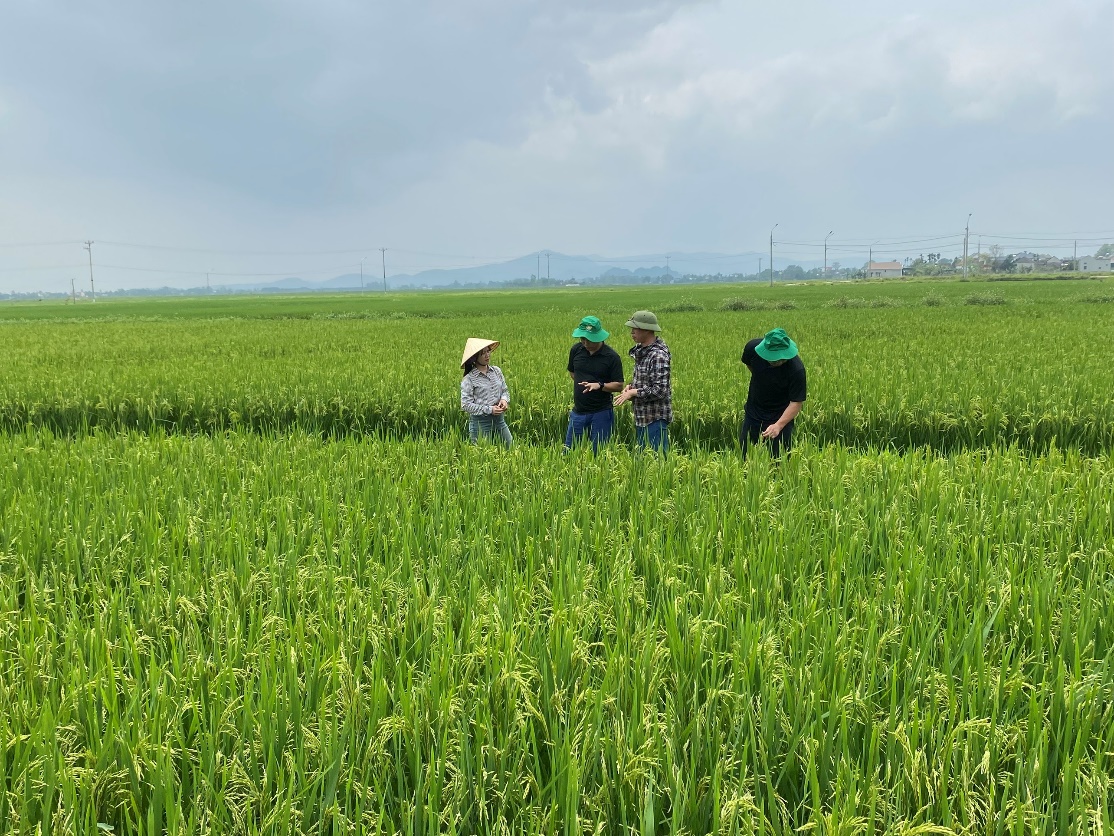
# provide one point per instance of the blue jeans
(656, 434)
(488, 426)
(596, 425)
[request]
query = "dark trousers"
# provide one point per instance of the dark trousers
(751, 433)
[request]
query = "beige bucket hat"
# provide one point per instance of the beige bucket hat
(474, 346)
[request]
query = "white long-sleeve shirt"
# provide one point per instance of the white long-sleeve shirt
(480, 391)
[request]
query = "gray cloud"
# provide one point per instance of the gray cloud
(493, 126)
(297, 103)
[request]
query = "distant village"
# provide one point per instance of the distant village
(993, 262)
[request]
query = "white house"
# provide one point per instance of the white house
(1091, 264)
(883, 270)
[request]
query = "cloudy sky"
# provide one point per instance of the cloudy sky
(296, 137)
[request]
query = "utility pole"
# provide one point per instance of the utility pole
(759, 273)
(1074, 254)
(383, 252)
(539, 273)
(208, 287)
(547, 273)
(966, 237)
(826, 237)
(92, 290)
(869, 260)
(667, 266)
(362, 272)
(73, 290)
(772, 254)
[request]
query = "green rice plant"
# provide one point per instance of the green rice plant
(682, 306)
(884, 302)
(844, 302)
(984, 299)
(737, 303)
(1093, 298)
(238, 633)
(958, 377)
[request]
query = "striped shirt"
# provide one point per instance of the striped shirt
(480, 391)
(654, 401)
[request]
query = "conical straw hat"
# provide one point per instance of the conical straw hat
(474, 346)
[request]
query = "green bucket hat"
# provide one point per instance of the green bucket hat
(644, 320)
(591, 329)
(776, 345)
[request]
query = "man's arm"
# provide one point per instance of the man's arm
(595, 386)
(746, 360)
(791, 412)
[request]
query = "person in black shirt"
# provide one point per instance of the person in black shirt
(777, 391)
(597, 372)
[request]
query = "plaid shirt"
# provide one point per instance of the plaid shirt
(479, 392)
(651, 379)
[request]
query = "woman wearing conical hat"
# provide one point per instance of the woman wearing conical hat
(483, 392)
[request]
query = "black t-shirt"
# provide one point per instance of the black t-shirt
(605, 366)
(772, 387)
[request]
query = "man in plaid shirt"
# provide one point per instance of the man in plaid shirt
(650, 391)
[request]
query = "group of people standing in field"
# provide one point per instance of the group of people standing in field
(774, 399)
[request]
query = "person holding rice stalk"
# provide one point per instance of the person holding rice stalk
(483, 392)
(777, 391)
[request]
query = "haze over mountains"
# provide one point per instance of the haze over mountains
(558, 267)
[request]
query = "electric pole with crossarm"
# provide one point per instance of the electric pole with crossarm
(92, 290)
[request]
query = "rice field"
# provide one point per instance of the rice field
(253, 580)
(891, 373)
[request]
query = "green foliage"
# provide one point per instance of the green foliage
(1094, 298)
(879, 377)
(736, 303)
(244, 634)
(844, 302)
(682, 306)
(984, 299)
(252, 580)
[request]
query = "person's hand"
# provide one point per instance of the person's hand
(499, 408)
(771, 432)
(624, 396)
(591, 386)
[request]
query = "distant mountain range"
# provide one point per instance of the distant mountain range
(558, 267)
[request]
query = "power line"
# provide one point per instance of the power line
(228, 252)
(46, 267)
(40, 244)
(284, 273)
